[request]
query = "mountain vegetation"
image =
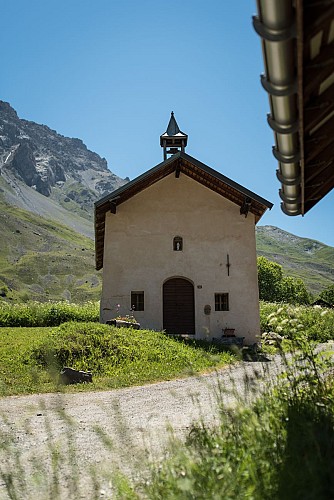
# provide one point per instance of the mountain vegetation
(303, 258)
(43, 260)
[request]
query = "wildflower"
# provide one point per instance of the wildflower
(323, 313)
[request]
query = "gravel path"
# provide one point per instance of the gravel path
(101, 431)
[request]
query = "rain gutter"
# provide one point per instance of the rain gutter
(276, 25)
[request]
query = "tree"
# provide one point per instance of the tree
(328, 295)
(294, 291)
(274, 287)
(270, 276)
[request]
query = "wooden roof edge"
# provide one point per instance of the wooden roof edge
(181, 155)
(229, 182)
(130, 184)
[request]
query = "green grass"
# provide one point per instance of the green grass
(18, 374)
(31, 358)
(47, 313)
(280, 447)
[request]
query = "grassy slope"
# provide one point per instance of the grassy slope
(118, 357)
(300, 257)
(44, 260)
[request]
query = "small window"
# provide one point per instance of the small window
(137, 301)
(177, 244)
(221, 302)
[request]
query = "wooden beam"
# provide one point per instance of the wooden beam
(316, 72)
(318, 109)
(324, 155)
(316, 19)
(319, 141)
(178, 169)
(112, 207)
(321, 192)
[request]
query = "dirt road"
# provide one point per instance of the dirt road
(87, 435)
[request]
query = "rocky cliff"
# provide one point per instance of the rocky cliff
(57, 167)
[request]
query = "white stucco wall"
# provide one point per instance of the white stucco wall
(138, 255)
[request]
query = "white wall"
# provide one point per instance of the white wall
(138, 255)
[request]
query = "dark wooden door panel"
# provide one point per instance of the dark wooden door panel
(178, 306)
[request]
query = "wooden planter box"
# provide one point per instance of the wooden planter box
(119, 323)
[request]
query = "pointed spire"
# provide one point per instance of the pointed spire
(173, 127)
(173, 138)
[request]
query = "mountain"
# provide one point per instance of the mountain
(48, 184)
(49, 174)
(303, 258)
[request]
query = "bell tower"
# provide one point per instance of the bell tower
(173, 140)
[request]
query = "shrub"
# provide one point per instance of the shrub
(47, 313)
(314, 322)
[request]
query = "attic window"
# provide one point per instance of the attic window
(177, 244)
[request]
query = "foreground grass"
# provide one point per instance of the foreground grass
(281, 448)
(31, 358)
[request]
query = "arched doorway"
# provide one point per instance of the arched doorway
(178, 306)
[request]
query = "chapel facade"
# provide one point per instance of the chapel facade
(177, 247)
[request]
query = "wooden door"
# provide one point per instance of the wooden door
(178, 306)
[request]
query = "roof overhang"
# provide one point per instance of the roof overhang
(298, 53)
(178, 163)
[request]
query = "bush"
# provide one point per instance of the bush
(47, 313)
(314, 322)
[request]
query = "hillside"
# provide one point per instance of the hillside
(300, 257)
(42, 259)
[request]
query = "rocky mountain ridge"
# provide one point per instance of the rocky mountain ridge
(57, 167)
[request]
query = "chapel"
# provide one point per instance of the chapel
(177, 247)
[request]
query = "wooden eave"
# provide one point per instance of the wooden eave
(298, 48)
(178, 163)
(317, 127)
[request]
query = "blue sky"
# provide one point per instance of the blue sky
(110, 72)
